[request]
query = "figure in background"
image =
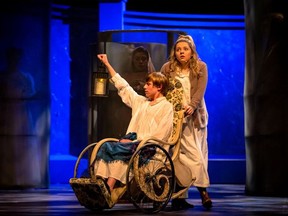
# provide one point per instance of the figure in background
(185, 65)
(152, 115)
(16, 87)
(141, 64)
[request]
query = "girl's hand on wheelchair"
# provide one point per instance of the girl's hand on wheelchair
(188, 110)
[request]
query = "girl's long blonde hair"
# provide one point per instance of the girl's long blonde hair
(194, 61)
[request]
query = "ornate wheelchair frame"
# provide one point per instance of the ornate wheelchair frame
(150, 177)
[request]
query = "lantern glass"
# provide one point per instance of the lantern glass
(100, 84)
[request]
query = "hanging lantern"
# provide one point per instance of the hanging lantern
(100, 82)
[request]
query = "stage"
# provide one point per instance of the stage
(228, 199)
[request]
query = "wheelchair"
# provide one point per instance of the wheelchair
(150, 178)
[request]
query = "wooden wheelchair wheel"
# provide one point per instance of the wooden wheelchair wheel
(150, 178)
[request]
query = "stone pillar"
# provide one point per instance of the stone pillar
(266, 98)
(24, 95)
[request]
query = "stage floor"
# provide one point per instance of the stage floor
(61, 200)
